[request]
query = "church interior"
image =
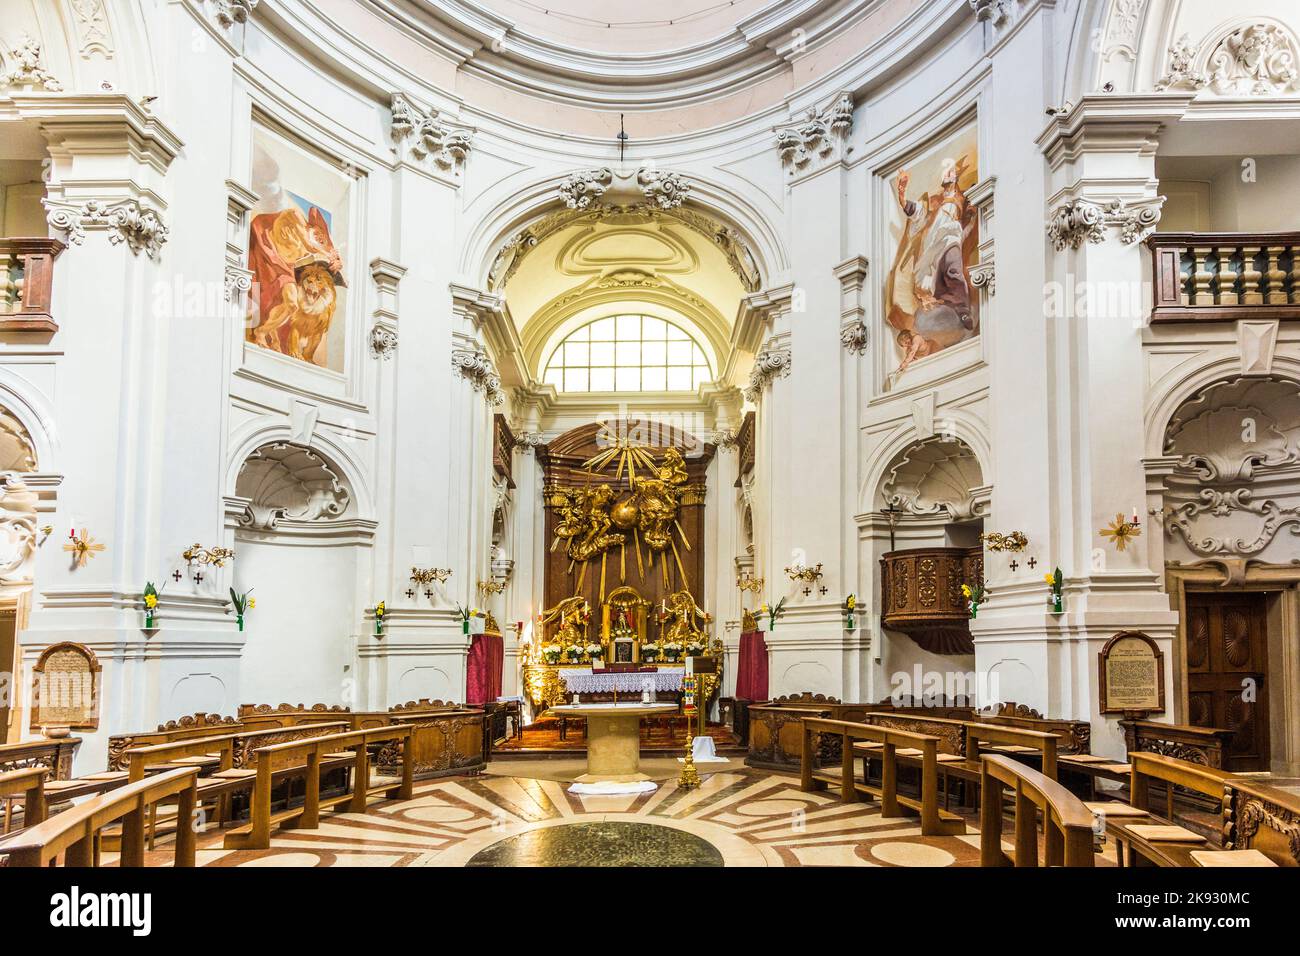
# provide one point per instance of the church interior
(608, 441)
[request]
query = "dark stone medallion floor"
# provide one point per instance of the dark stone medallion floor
(600, 844)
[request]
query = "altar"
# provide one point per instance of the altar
(661, 680)
(614, 738)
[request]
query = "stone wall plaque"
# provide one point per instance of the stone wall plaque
(1131, 672)
(65, 687)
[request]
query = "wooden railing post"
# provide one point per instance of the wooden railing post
(848, 786)
(310, 818)
(930, 787)
(407, 791)
(360, 778)
(186, 835)
(259, 811)
(1026, 828)
(889, 779)
(991, 820)
(806, 782)
(133, 834)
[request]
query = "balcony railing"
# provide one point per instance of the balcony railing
(1225, 276)
(26, 278)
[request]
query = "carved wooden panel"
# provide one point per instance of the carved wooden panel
(921, 595)
(1227, 670)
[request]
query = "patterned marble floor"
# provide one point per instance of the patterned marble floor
(738, 817)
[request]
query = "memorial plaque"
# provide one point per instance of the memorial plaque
(1131, 675)
(65, 687)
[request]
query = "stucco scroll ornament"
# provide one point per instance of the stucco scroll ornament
(383, 341)
(816, 136)
(237, 281)
(853, 336)
(528, 441)
(585, 187)
(475, 367)
(230, 12)
(996, 12)
(429, 137)
(1074, 223)
(17, 530)
(129, 221)
(1184, 517)
(771, 363)
(1181, 73)
(1256, 60)
(666, 190)
(26, 68)
(983, 276)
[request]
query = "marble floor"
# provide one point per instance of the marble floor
(520, 813)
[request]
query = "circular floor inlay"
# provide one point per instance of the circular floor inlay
(912, 854)
(600, 844)
(440, 814)
(773, 808)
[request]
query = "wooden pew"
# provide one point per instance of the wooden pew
(1073, 736)
(307, 758)
(934, 822)
(75, 832)
(1011, 739)
(30, 784)
(1067, 823)
(183, 728)
(1173, 773)
(1259, 816)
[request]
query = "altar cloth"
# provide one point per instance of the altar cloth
(584, 681)
(614, 788)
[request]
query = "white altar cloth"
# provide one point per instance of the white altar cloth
(582, 680)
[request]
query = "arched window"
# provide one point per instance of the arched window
(628, 353)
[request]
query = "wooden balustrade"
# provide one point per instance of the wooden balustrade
(26, 281)
(75, 833)
(1224, 276)
(1067, 823)
(1203, 745)
(56, 755)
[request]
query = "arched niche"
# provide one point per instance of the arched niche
(286, 484)
(937, 477)
(1232, 451)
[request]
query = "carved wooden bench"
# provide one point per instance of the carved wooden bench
(1067, 823)
(1173, 773)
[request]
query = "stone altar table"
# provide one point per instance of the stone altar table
(613, 738)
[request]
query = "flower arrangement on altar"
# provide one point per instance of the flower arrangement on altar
(573, 653)
(650, 652)
(551, 653)
(694, 648)
(242, 604)
(672, 651)
(1054, 581)
(974, 596)
(150, 604)
(595, 651)
(850, 605)
(380, 611)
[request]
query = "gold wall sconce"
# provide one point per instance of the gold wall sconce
(491, 587)
(426, 576)
(996, 541)
(806, 574)
(217, 557)
(747, 582)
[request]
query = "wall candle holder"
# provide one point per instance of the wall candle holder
(1014, 541)
(217, 557)
(426, 576)
(803, 573)
(491, 587)
(83, 547)
(747, 582)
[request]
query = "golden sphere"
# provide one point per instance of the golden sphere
(624, 514)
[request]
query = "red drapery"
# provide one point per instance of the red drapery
(483, 668)
(751, 670)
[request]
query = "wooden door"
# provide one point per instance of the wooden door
(1227, 648)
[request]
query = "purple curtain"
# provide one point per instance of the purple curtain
(751, 676)
(487, 654)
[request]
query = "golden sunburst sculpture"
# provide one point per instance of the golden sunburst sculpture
(83, 548)
(1120, 531)
(594, 519)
